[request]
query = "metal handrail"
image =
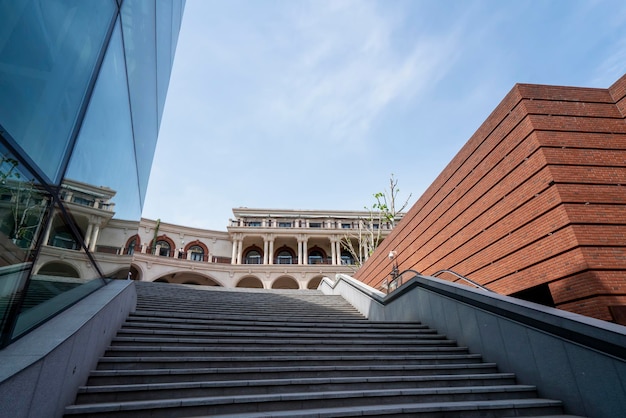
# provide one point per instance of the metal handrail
(454, 273)
(398, 277)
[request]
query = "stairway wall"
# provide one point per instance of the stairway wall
(40, 373)
(576, 359)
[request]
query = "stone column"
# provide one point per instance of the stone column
(305, 251)
(333, 251)
(271, 254)
(233, 258)
(338, 251)
(94, 237)
(299, 250)
(265, 250)
(88, 234)
(239, 250)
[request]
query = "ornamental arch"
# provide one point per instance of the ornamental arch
(59, 268)
(166, 246)
(197, 250)
(132, 244)
(285, 282)
(314, 282)
(250, 282)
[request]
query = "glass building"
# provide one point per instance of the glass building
(82, 90)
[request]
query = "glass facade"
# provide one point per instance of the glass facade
(82, 89)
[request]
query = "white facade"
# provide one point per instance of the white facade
(262, 248)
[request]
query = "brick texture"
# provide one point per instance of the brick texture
(537, 196)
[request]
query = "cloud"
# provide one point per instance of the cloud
(339, 70)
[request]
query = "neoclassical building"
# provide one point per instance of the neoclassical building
(262, 248)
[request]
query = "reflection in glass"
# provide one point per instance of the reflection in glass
(23, 208)
(48, 53)
(63, 273)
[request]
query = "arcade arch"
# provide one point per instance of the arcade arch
(250, 282)
(285, 282)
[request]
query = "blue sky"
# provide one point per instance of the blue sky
(313, 104)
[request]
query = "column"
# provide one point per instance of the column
(94, 238)
(305, 250)
(338, 251)
(88, 234)
(333, 251)
(265, 250)
(46, 235)
(299, 250)
(239, 250)
(233, 257)
(271, 254)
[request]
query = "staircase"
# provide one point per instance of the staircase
(201, 351)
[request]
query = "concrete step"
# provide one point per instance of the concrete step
(176, 362)
(255, 372)
(219, 322)
(218, 329)
(220, 351)
(130, 392)
(299, 400)
(195, 351)
(250, 339)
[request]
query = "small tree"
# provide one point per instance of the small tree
(24, 201)
(368, 235)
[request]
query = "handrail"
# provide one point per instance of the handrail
(454, 273)
(398, 277)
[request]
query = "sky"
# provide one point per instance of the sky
(314, 104)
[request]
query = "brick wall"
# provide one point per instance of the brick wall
(537, 196)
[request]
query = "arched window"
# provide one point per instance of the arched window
(316, 257)
(346, 258)
(131, 246)
(253, 257)
(164, 249)
(284, 257)
(196, 253)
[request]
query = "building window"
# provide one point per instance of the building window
(346, 226)
(196, 253)
(164, 249)
(255, 223)
(284, 257)
(315, 224)
(131, 246)
(253, 257)
(284, 224)
(82, 201)
(346, 258)
(316, 257)
(65, 240)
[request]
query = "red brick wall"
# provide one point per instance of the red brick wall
(536, 196)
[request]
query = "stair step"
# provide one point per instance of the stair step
(142, 376)
(128, 392)
(469, 409)
(299, 400)
(156, 362)
(198, 351)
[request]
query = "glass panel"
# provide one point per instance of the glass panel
(164, 48)
(23, 208)
(103, 161)
(138, 25)
(63, 274)
(48, 52)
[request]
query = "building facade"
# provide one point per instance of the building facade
(534, 205)
(82, 90)
(262, 248)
